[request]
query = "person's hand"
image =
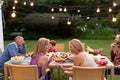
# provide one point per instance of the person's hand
(60, 66)
(118, 66)
(113, 45)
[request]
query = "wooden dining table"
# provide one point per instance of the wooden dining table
(54, 65)
(109, 65)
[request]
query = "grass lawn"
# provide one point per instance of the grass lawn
(95, 44)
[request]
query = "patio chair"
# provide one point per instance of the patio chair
(59, 47)
(88, 73)
(0, 51)
(23, 72)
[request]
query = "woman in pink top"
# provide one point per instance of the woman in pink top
(81, 58)
(39, 57)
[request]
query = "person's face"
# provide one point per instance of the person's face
(48, 46)
(20, 42)
(72, 49)
(117, 38)
(51, 46)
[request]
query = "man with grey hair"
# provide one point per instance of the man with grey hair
(15, 48)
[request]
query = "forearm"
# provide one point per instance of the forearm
(67, 69)
(23, 49)
(112, 55)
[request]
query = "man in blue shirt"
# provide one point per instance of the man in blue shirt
(15, 48)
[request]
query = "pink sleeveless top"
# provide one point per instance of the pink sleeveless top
(34, 61)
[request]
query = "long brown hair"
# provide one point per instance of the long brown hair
(40, 47)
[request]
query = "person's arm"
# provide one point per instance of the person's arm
(12, 50)
(112, 53)
(43, 62)
(23, 49)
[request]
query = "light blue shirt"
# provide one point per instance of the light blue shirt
(11, 51)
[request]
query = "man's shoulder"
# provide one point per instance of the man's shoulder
(11, 44)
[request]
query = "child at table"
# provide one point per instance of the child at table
(81, 58)
(52, 46)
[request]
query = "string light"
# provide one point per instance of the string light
(114, 4)
(60, 9)
(68, 22)
(24, 3)
(52, 17)
(52, 10)
(110, 10)
(13, 7)
(114, 19)
(78, 10)
(88, 17)
(98, 10)
(31, 4)
(13, 15)
(15, 1)
(65, 9)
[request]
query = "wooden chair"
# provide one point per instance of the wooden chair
(23, 72)
(0, 51)
(88, 73)
(59, 47)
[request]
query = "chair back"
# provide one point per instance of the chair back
(88, 73)
(0, 51)
(59, 47)
(23, 72)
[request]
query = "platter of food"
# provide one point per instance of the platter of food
(17, 59)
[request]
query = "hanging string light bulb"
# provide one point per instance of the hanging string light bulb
(15, 1)
(114, 4)
(88, 17)
(13, 7)
(52, 10)
(65, 9)
(13, 15)
(31, 4)
(24, 3)
(114, 19)
(68, 22)
(78, 11)
(110, 10)
(60, 9)
(52, 17)
(98, 10)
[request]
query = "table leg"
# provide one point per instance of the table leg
(58, 74)
(112, 73)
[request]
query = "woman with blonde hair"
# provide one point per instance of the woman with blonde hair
(81, 58)
(39, 57)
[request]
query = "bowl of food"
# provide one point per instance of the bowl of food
(59, 59)
(17, 59)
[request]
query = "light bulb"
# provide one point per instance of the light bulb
(13, 7)
(98, 10)
(69, 22)
(25, 3)
(15, 1)
(114, 4)
(53, 17)
(65, 9)
(13, 14)
(78, 10)
(60, 9)
(31, 4)
(110, 10)
(52, 9)
(114, 19)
